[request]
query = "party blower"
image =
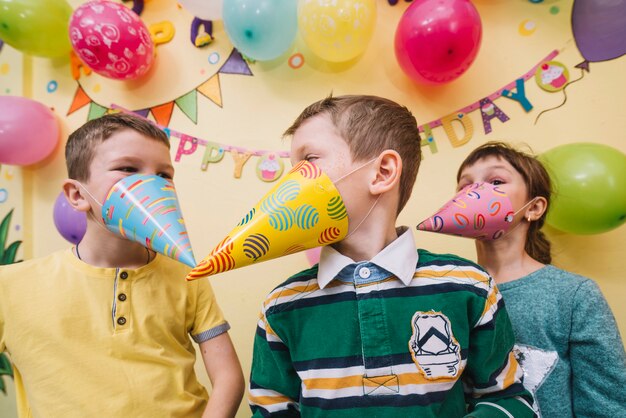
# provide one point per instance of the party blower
(304, 210)
(479, 211)
(144, 209)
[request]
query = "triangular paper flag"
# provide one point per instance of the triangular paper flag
(189, 105)
(95, 111)
(212, 90)
(163, 113)
(80, 100)
(304, 210)
(145, 209)
(235, 64)
(479, 211)
(142, 112)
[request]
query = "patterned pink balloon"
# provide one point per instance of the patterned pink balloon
(111, 40)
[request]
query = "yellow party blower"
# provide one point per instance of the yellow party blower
(304, 210)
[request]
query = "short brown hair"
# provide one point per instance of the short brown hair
(79, 150)
(370, 125)
(537, 182)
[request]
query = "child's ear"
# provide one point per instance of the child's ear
(388, 170)
(74, 195)
(536, 209)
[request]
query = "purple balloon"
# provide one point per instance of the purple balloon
(70, 222)
(599, 28)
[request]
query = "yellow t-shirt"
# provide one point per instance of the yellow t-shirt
(88, 341)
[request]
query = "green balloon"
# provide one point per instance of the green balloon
(36, 27)
(589, 187)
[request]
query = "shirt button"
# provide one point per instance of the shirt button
(121, 320)
(364, 272)
(123, 275)
(121, 297)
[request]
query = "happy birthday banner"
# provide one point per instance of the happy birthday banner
(514, 90)
(270, 166)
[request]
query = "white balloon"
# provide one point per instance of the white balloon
(204, 9)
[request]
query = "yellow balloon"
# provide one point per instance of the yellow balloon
(337, 30)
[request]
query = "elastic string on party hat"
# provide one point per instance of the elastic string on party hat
(364, 218)
(101, 224)
(89, 193)
(509, 218)
(354, 170)
(371, 208)
(147, 251)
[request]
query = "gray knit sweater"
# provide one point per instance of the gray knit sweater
(568, 344)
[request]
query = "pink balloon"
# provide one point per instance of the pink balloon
(29, 131)
(111, 40)
(313, 255)
(437, 40)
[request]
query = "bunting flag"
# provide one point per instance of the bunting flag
(95, 111)
(80, 100)
(235, 64)
(457, 126)
(189, 104)
(162, 113)
(211, 89)
(143, 112)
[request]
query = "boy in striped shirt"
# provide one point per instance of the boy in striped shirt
(378, 328)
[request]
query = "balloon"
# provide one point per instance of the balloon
(71, 223)
(337, 31)
(313, 255)
(36, 27)
(204, 9)
(599, 28)
(590, 187)
(29, 131)
(111, 40)
(437, 40)
(261, 29)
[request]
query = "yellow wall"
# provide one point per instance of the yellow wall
(257, 109)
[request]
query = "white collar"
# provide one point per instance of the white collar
(399, 258)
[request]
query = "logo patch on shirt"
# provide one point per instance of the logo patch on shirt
(434, 349)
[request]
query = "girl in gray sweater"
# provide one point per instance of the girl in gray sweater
(567, 339)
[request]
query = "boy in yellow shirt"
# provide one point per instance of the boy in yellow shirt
(104, 328)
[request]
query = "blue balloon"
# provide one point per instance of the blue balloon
(261, 29)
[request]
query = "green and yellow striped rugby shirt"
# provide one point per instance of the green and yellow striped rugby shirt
(407, 334)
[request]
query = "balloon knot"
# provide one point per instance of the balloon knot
(584, 66)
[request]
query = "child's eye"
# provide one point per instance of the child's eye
(165, 175)
(126, 169)
(496, 182)
(311, 158)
